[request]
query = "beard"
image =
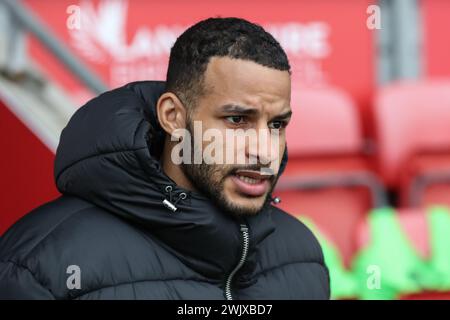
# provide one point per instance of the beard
(209, 179)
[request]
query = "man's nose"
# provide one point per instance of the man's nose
(264, 149)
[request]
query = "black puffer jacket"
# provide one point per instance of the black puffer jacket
(111, 223)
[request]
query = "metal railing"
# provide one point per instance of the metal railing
(22, 19)
(420, 184)
(354, 179)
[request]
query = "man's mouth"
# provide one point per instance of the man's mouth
(251, 183)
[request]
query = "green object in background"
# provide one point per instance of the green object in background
(390, 257)
(342, 282)
(439, 225)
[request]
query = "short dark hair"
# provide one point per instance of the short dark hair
(222, 37)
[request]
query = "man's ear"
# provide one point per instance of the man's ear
(171, 113)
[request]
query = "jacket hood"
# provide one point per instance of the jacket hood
(108, 155)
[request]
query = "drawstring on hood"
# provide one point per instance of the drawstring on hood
(275, 200)
(170, 204)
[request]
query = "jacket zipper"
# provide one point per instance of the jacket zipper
(245, 245)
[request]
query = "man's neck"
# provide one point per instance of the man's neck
(174, 171)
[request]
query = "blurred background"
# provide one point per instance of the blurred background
(369, 143)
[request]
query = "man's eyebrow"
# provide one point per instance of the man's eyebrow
(282, 116)
(237, 109)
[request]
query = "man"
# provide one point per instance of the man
(136, 223)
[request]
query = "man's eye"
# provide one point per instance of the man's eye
(277, 125)
(235, 119)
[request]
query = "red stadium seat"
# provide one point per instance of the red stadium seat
(327, 177)
(324, 123)
(413, 136)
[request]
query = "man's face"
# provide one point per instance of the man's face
(240, 96)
